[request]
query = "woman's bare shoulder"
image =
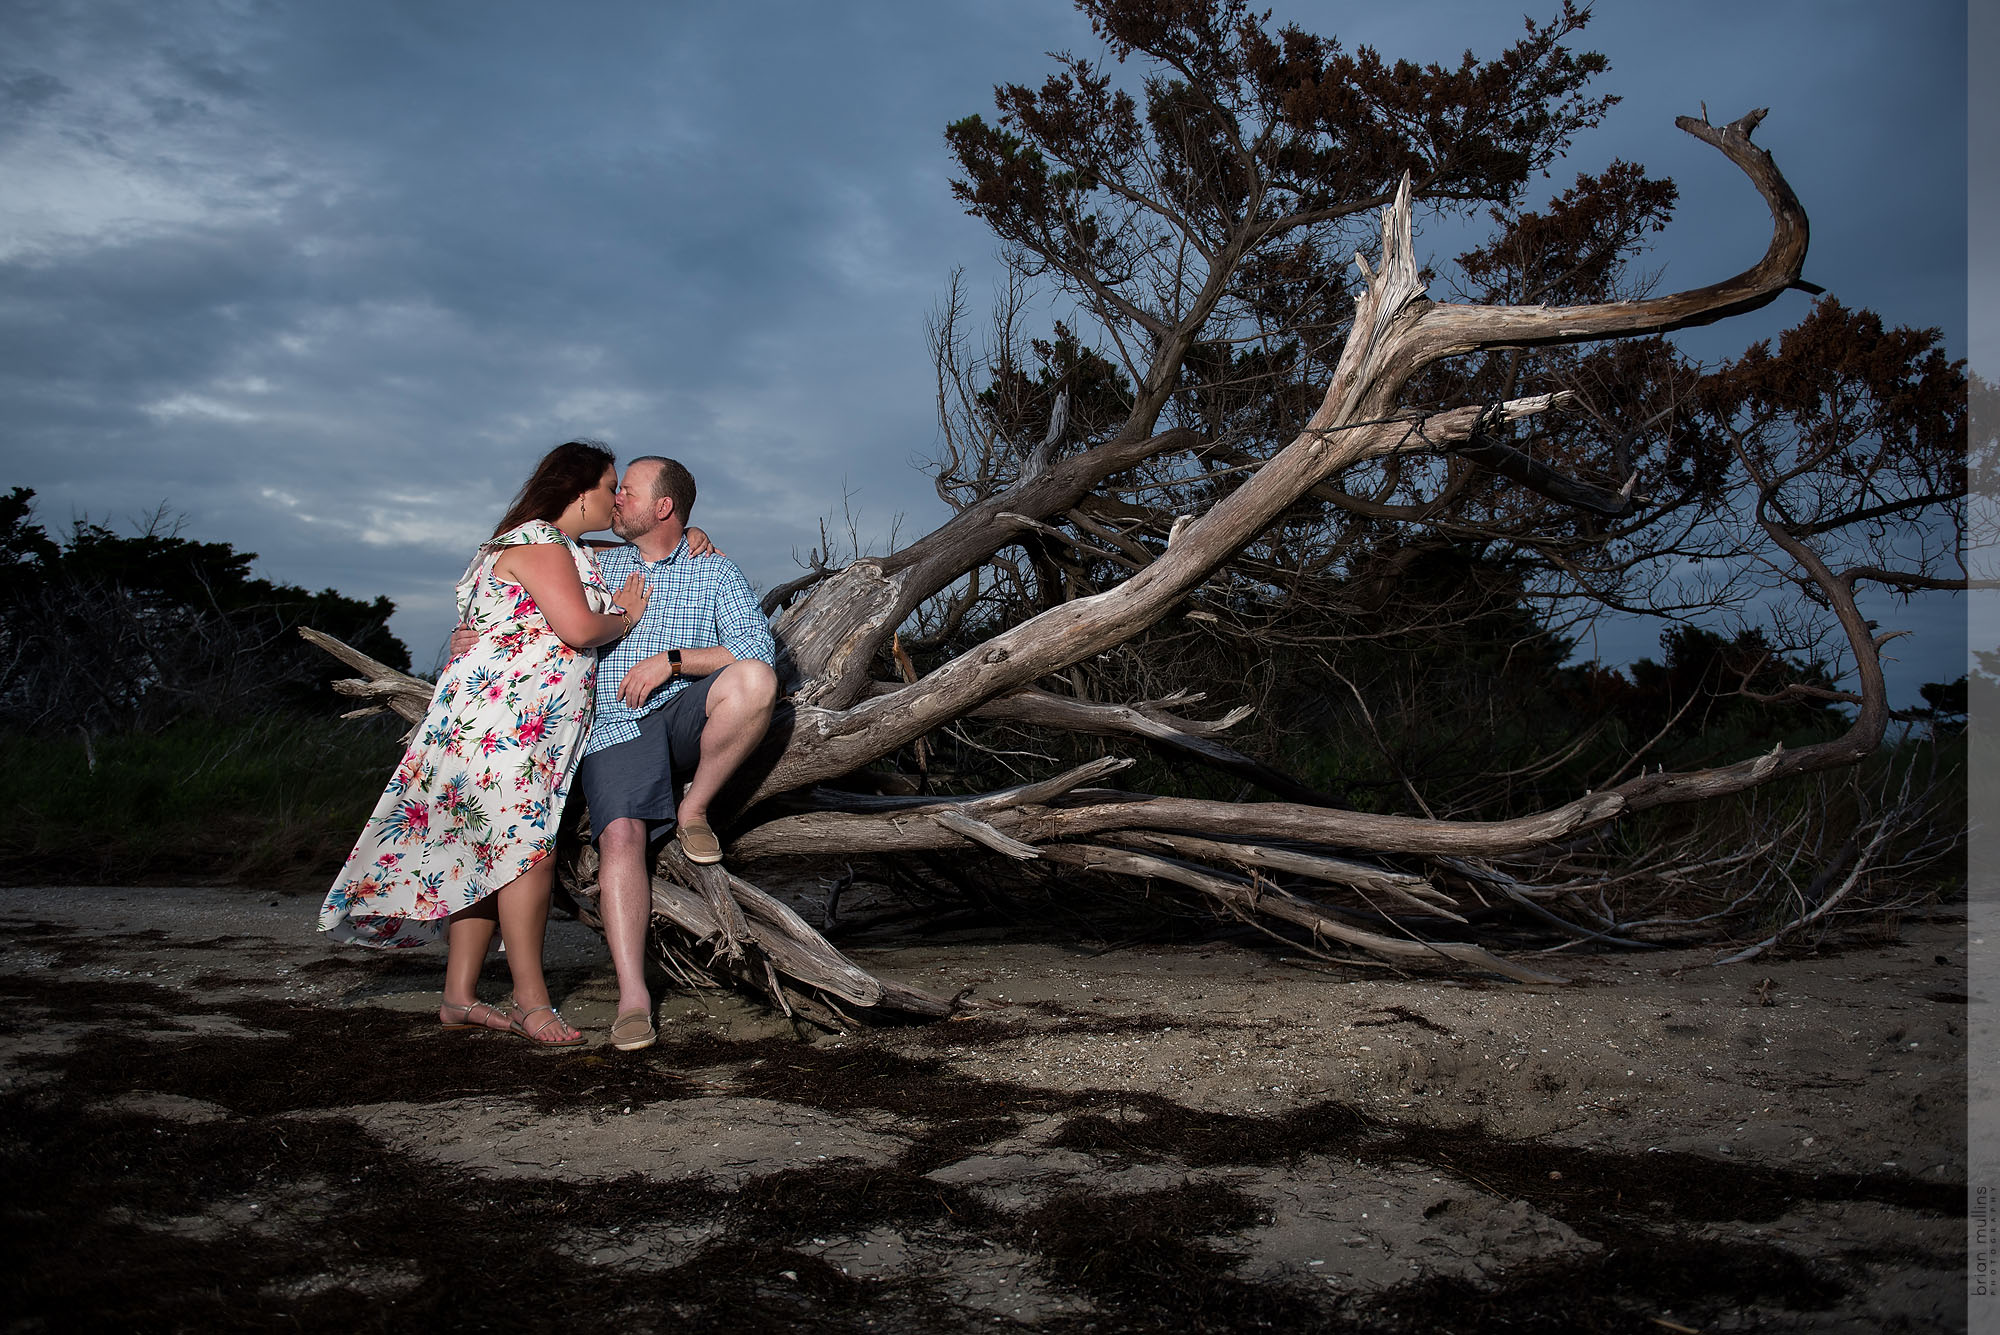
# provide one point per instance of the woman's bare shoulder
(532, 559)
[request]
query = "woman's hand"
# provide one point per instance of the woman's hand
(699, 544)
(633, 597)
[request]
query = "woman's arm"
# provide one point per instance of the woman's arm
(548, 573)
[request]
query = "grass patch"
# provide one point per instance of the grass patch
(277, 799)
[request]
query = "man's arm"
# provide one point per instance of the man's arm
(649, 674)
(740, 625)
(746, 631)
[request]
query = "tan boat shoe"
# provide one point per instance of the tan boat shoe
(699, 843)
(633, 1030)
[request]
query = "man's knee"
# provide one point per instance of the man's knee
(623, 840)
(747, 682)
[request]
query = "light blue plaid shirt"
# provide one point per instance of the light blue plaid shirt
(694, 603)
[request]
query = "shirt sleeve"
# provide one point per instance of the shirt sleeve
(745, 632)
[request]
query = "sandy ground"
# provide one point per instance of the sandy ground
(264, 1131)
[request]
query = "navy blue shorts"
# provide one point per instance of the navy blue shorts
(636, 777)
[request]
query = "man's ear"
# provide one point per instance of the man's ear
(663, 509)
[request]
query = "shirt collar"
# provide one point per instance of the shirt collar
(677, 555)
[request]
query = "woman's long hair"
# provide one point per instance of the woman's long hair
(565, 473)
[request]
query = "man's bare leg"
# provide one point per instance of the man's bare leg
(739, 714)
(625, 902)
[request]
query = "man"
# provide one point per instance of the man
(688, 691)
(690, 688)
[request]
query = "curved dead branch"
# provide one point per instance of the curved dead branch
(1448, 330)
(1252, 900)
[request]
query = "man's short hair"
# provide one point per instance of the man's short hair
(671, 481)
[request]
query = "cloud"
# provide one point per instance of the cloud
(329, 278)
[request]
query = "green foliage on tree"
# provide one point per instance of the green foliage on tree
(106, 631)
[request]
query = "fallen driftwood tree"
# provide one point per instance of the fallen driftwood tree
(1302, 862)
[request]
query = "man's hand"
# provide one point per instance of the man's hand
(643, 678)
(462, 639)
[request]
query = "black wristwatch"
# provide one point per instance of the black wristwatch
(674, 662)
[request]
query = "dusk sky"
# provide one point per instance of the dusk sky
(326, 279)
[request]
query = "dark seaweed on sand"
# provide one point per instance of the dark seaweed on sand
(284, 1213)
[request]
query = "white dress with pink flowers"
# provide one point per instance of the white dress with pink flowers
(475, 800)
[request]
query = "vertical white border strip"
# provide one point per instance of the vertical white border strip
(1982, 1140)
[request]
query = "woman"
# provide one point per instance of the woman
(461, 840)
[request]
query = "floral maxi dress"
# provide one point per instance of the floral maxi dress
(475, 800)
